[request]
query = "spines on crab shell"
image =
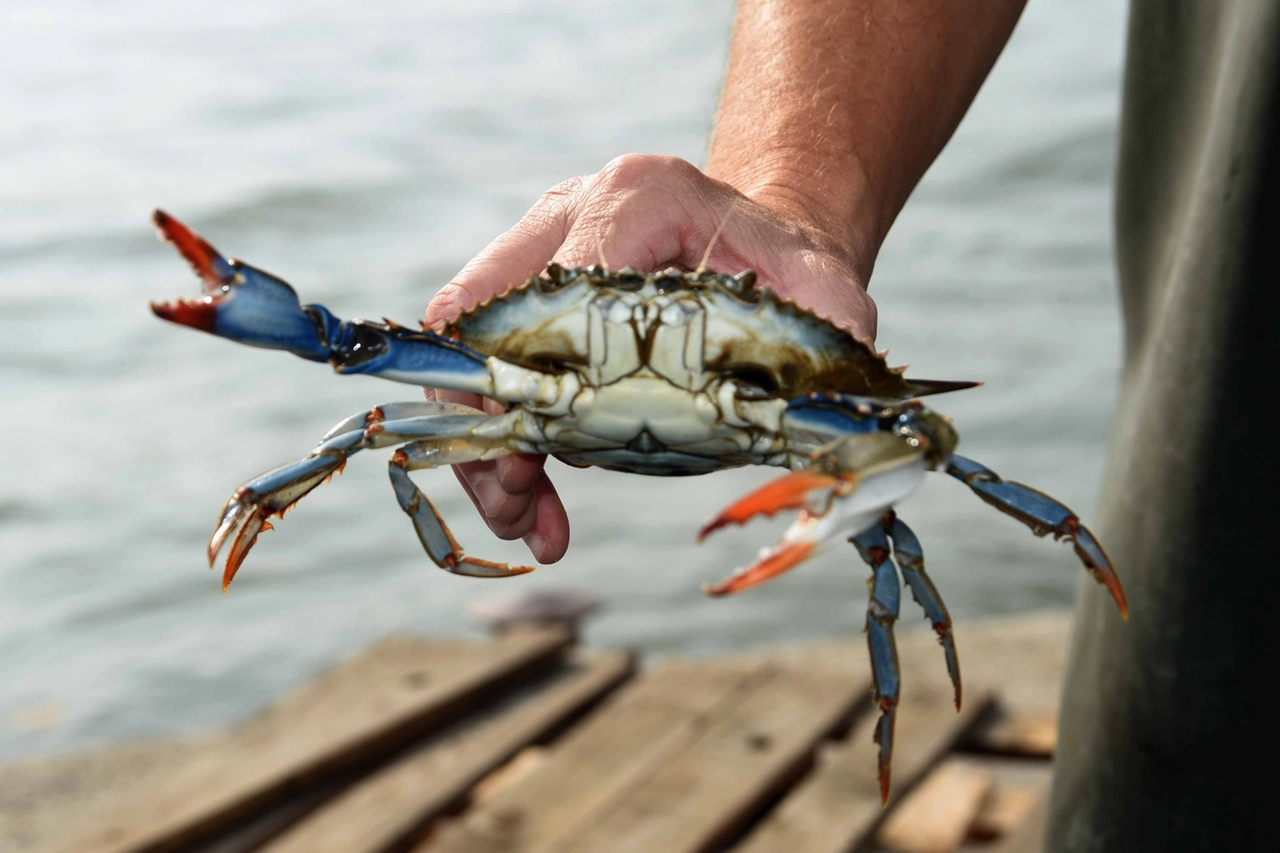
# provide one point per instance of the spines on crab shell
(542, 325)
(814, 354)
(878, 379)
(528, 324)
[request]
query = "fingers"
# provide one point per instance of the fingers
(514, 256)
(533, 513)
(548, 539)
(503, 491)
(643, 211)
(832, 295)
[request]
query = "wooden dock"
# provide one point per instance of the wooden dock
(528, 742)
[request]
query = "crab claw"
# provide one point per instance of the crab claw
(242, 303)
(854, 501)
(790, 491)
(213, 269)
(770, 563)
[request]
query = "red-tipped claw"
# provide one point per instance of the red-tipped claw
(213, 269)
(199, 314)
(771, 563)
(790, 491)
(215, 274)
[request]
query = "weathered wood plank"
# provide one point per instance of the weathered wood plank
(936, 815)
(838, 806)
(359, 713)
(1029, 837)
(1004, 811)
(525, 762)
(641, 726)
(746, 754)
(1032, 734)
(385, 811)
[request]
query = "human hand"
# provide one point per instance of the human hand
(648, 212)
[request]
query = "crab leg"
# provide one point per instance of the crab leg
(432, 532)
(882, 612)
(853, 481)
(274, 493)
(1043, 515)
(246, 514)
(910, 557)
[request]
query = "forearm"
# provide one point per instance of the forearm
(833, 109)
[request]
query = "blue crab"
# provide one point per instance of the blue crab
(666, 373)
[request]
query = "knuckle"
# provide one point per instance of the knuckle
(569, 187)
(560, 197)
(514, 526)
(639, 170)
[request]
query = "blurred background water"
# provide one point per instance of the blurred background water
(365, 152)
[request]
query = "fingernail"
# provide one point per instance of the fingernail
(490, 494)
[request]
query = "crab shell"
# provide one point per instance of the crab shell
(563, 320)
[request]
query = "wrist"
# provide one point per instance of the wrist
(828, 199)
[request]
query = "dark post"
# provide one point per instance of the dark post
(1168, 738)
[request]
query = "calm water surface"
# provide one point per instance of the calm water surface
(365, 153)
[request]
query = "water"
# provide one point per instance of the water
(365, 152)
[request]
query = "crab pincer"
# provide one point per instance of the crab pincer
(242, 303)
(847, 486)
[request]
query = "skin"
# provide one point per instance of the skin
(832, 111)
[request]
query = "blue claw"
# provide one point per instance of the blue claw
(1043, 515)
(249, 306)
(910, 557)
(242, 303)
(882, 612)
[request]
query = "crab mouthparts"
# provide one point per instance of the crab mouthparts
(199, 314)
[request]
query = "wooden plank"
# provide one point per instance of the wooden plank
(936, 815)
(1031, 734)
(639, 727)
(360, 713)
(1029, 837)
(745, 755)
(1003, 811)
(838, 806)
(386, 810)
(521, 765)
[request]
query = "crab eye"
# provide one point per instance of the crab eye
(754, 383)
(364, 344)
(553, 362)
